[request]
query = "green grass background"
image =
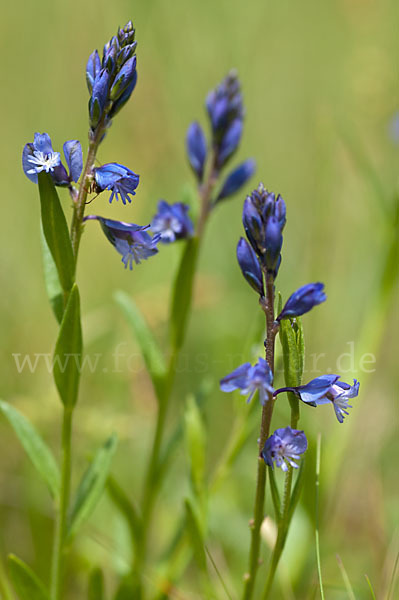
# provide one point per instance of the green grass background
(320, 86)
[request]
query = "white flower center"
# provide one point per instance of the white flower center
(43, 162)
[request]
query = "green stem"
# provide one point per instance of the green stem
(76, 233)
(284, 522)
(267, 412)
(152, 479)
(61, 525)
(80, 203)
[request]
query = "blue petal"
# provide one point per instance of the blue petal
(249, 265)
(74, 158)
(230, 141)
(123, 79)
(93, 67)
(273, 242)
(315, 391)
(121, 101)
(235, 380)
(26, 165)
(196, 148)
(236, 179)
(42, 142)
(303, 300)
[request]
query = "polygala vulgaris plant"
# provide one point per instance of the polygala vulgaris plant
(111, 80)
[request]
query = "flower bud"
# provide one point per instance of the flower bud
(303, 300)
(196, 149)
(249, 265)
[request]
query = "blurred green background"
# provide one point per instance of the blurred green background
(320, 86)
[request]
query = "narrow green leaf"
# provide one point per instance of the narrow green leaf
(347, 583)
(96, 585)
(92, 485)
(125, 506)
(275, 494)
(182, 292)
(373, 596)
(196, 533)
(150, 350)
(56, 232)
(27, 585)
(68, 351)
(300, 343)
(51, 280)
(292, 342)
(290, 353)
(196, 444)
(35, 447)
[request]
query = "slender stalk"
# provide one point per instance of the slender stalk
(61, 524)
(80, 203)
(152, 482)
(267, 411)
(60, 533)
(285, 517)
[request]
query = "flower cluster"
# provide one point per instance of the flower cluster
(111, 80)
(226, 115)
(263, 218)
(259, 258)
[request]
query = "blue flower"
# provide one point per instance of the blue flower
(236, 179)
(264, 219)
(250, 379)
(324, 390)
(249, 265)
(284, 447)
(39, 156)
(121, 180)
(196, 149)
(172, 222)
(303, 300)
(130, 240)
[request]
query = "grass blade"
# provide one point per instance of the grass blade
(345, 577)
(35, 447)
(318, 455)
